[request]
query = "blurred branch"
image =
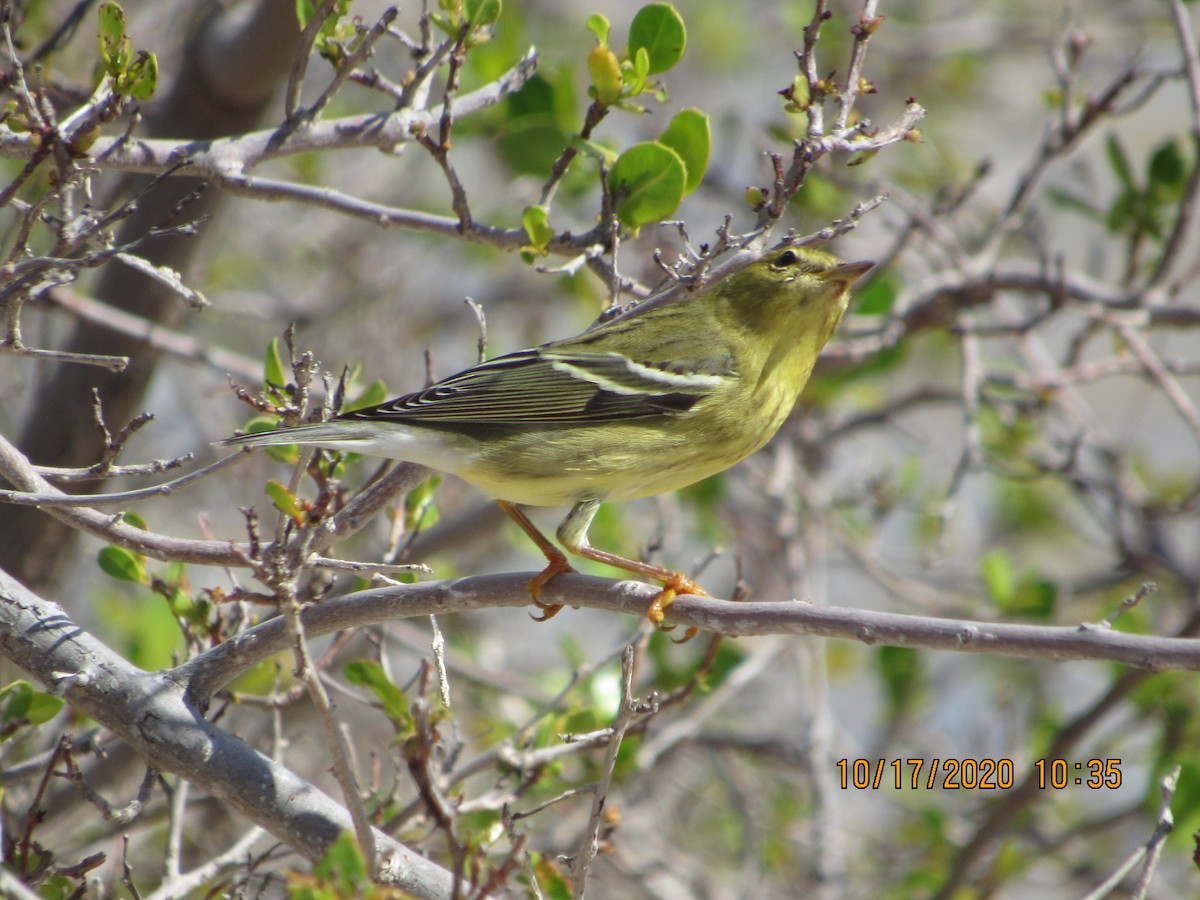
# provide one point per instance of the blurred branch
(88, 309)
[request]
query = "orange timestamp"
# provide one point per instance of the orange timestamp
(1091, 773)
(965, 773)
(950, 774)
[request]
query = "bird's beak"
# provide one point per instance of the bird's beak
(847, 273)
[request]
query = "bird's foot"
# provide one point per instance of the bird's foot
(557, 563)
(673, 587)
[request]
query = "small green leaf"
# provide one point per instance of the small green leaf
(143, 76)
(273, 365)
(43, 707)
(902, 674)
(419, 511)
(369, 674)
(660, 30)
(637, 72)
(481, 13)
(306, 9)
(1168, 169)
(123, 565)
(131, 518)
(342, 870)
(689, 136)
(15, 700)
(536, 221)
(998, 576)
(1066, 200)
(1119, 162)
(599, 25)
(114, 49)
(285, 501)
(648, 181)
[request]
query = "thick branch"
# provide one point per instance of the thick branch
(148, 710)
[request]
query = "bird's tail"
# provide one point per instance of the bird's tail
(336, 435)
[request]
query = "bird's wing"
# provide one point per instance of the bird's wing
(549, 384)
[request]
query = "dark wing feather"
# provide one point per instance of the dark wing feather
(549, 385)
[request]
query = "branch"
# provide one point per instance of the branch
(212, 159)
(215, 668)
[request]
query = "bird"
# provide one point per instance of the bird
(656, 398)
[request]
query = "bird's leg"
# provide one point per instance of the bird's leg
(554, 556)
(572, 534)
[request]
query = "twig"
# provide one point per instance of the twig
(22, 498)
(1185, 215)
(112, 363)
(346, 67)
(589, 845)
(89, 309)
(1147, 854)
(308, 38)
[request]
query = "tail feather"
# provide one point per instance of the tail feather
(318, 434)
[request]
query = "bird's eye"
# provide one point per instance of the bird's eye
(786, 258)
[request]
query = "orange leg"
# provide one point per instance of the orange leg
(554, 556)
(674, 583)
(573, 535)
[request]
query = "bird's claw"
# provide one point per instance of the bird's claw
(672, 588)
(549, 610)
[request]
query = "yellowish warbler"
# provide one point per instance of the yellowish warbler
(657, 398)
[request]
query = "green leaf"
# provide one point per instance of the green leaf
(1168, 169)
(660, 30)
(902, 674)
(599, 25)
(536, 221)
(43, 707)
(1073, 202)
(273, 365)
(15, 700)
(306, 9)
(369, 674)
(641, 71)
(131, 518)
(342, 868)
(648, 181)
(481, 13)
(998, 576)
(123, 565)
(1119, 162)
(285, 501)
(419, 511)
(114, 49)
(689, 136)
(143, 76)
